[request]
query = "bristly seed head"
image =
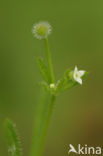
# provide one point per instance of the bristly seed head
(41, 30)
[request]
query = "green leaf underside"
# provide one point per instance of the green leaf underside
(12, 139)
(43, 70)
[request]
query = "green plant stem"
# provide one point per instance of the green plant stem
(43, 116)
(46, 125)
(44, 111)
(48, 57)
(49, 115)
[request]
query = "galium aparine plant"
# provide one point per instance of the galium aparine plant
(50, 89)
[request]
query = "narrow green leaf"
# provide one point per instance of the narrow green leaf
(60, 84)
(63, 82)
(66, 73)
(12, 138)
(43, 70)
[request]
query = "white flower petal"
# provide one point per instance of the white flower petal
(78, 74)
(74, 76)
(81, 72)
(79, 80)
(76, 69)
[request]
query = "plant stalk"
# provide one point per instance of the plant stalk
(44, 111)
(49, 61)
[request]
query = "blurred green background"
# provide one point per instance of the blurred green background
(77, 39)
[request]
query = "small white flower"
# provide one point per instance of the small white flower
(77, 75)
(41, 30)
(52, 86)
